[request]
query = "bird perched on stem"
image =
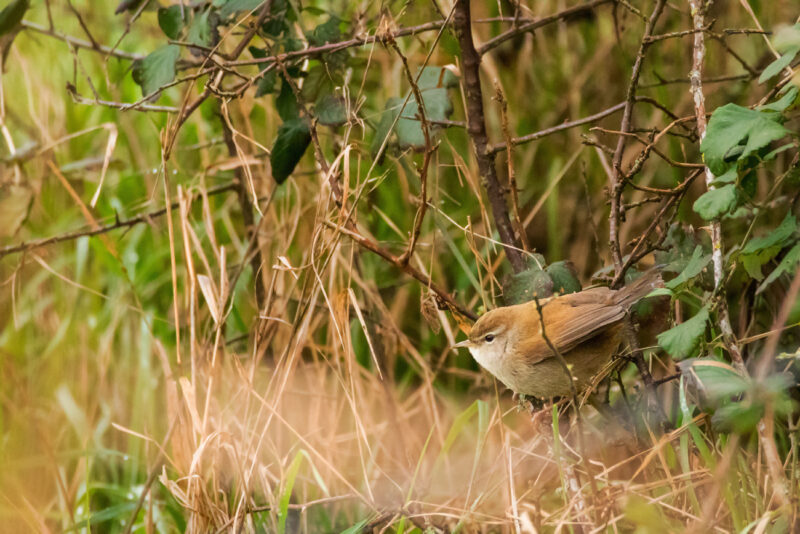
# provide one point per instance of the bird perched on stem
(582, 330)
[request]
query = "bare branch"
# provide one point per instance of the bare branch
(127, 223)
(476, 127)
(544, 21)
(80, 43)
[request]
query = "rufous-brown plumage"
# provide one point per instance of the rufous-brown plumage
(585, 328)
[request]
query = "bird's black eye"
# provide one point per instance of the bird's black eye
(489, 338)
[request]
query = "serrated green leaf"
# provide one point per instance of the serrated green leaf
(564, 277)
(680, 340)
(525, 285)
(157, 69)
(200, 29)
(384, 128)
(752, 263)
(777, 237)
(437, 107)
(170, 20)
(327, 32)
(12, 15)
(716, 202)
(779, 64)
(280, 18)
(316, 82)
(229, 7)
(331, 110)
(286, 102)
(728, 177)
(436, 77)
(266, 84)
(433, 84)
(783, 103)
(737, 417)
(678, 248)
(716, 380)
(294, 136)
(774, 153)
(732, 126)
(696, 264)
(787, 265)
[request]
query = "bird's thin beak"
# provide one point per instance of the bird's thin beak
(462, 344)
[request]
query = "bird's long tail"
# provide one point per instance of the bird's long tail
(636, 290)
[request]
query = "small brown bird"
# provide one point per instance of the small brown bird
(584, 327)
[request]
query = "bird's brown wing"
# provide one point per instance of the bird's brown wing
(568, 323)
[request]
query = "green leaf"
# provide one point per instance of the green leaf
(327, 32)
(752, 263)
(458, 426)
(779, 64)
(384, 129)
(660, 292)
(115, 512)
(680, 340)
(286, 494)
(286, 102)
(331, 110)
(786, 38)
(358, 528)
(266, 84)
(737, 417)
(433, 85)
(728, 177)
(716, 380)
(678, 248)
(294, 136)
(777, 237)
(229, 7)
(200, 30)
(157, 69)
(12, 14)
(525, 285)
(564, 277)
(317, 81)
(732, 126)
(170, 20)
(437, 107)
(280, 18)
(787, 265)
(436, 77)
(696, 264)
(716, 202)
(783, 103)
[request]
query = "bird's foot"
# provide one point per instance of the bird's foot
(522, 402)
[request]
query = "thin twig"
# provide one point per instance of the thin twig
(442, 295)
(422, 114)
(544, 21)
(80, 43)
(127, 223)
(476, 127)
(698, 8)
(512, 179)
(618, 183)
